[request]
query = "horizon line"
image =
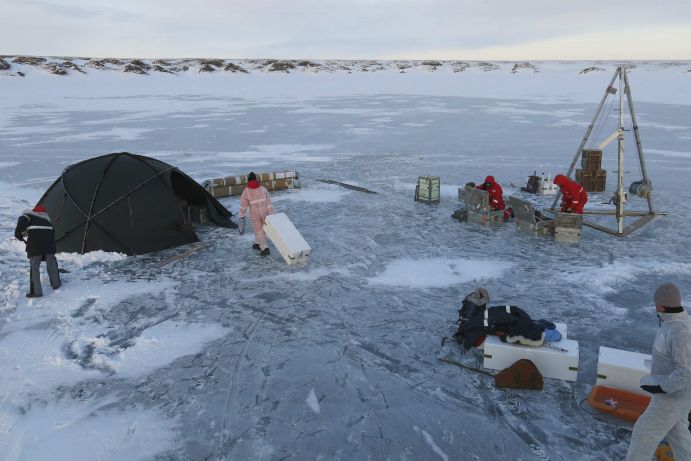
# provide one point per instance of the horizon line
(4, 55)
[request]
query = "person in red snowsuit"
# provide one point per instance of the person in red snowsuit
(256, 198)
(496, 194)
(574, 197)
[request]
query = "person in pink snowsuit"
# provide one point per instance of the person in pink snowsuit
(256, 198)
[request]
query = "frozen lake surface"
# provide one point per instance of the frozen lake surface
(225, 355)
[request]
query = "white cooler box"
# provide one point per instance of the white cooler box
(561, 327)
(622, 369)
(286, 237)
(551, 362)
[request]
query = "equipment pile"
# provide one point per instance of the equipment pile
(591, 175)
(540, 185)
(231, 186)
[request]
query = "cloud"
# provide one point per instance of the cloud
(355, 29)
(70, 10)
(621, 43)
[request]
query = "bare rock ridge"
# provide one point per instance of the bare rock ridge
(591, 69)
(20, 66)
(519, 66)
(487, 66)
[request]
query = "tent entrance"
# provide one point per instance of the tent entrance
(191, 199)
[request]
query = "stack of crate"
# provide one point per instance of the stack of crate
(591, 176)
(235, 185)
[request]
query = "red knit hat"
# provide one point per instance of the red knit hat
(39, 208)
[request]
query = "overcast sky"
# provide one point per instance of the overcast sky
(349, 29)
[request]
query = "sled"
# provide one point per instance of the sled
(558, 360)
(622, 404)
(230, 186)
(347, 186)
(286, 238)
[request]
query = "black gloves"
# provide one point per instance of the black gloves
(653, 389)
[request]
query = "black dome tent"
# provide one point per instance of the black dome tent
(128, 203)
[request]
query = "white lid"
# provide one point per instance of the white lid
(623, 358)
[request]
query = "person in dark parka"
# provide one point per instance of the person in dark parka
(510, 323)
(35, 229)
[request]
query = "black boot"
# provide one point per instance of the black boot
(265, 252)
(256, 246)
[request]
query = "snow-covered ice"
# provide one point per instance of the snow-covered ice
(225, 355)
(438, 273)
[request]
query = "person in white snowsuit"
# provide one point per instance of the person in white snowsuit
(669, 381)
(256, 198)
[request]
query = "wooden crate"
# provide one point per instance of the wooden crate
(583, 176)
(592, 181)
(229, 181)
(278, 184)
(600, 183)
(591, 159)
(231, 191)
(428, 189)
(286, 175)
(228, 191)
(262, 177)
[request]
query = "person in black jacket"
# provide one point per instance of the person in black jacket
(511, 323)
(35, 226)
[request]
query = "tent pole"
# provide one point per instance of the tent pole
(134, 189)
(93, 200)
